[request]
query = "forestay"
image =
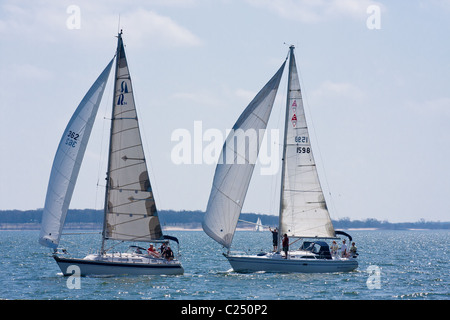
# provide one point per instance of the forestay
(303, 211)
(130, 210)
(67, 162)
(236, 164)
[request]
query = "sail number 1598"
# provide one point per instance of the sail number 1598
(302, 139)
(303, 150)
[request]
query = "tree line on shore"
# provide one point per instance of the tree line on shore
(193, 219)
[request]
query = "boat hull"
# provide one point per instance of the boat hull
(242, 263)
(88, 267)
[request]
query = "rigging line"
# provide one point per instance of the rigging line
(139, 216)
(238, 203)
(103, 154)
(280, 123)
(80, 233)
(256, 224)
(289, 45)
(115, 245)
(295, 241)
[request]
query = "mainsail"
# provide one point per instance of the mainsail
(236, 164)
(67, 162)
(130, 210)
(303, 210)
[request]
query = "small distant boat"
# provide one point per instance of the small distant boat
(303, 210)
(130, 213)
(259, 227)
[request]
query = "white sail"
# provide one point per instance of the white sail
(67, 162)
(130, 210)
(303, 211)
(236, 163)
(259, 226)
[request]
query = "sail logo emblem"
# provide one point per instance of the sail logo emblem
(123, 89)
(294, 120)
(294, 106)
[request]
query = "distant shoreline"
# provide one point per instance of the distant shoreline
(37, 226)
(88, 226)
(92, 219)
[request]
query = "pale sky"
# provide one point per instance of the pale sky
(374, 74)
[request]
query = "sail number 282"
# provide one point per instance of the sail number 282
(71, 139)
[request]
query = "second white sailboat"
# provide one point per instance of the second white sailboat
(303, 210)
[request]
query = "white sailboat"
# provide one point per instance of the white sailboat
(259, 226)
(130, 213)
(303, 211)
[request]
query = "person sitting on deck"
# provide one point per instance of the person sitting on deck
(168, 253)
(152, 252)
(334, 248)
(352, 251)
(162, 248)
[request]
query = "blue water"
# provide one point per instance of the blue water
(411, 265)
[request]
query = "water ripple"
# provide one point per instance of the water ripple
(412, 265)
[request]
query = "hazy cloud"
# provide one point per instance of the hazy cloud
(314, 11)
(45, 22)
(147, 25)
(332, 90)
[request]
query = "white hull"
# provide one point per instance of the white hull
(277, 263)
(119, 264)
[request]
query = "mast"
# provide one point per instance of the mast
(105, 209)
(283, 159)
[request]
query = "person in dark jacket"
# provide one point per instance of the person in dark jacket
(285, 244)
